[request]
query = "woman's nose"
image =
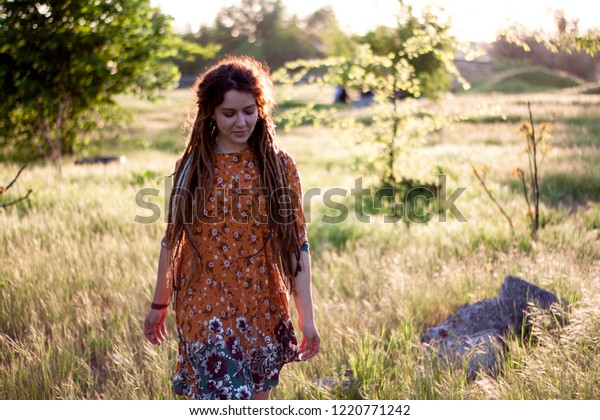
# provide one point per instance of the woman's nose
(240, 119)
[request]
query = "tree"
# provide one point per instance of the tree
(423, 42)
(386, 67)
(567, 49)
(260, 28)
(323, 31)
(62, 62)
(393, 63)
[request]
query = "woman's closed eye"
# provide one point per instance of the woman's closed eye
(231, 114)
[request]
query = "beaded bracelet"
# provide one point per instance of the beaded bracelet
(159, 306)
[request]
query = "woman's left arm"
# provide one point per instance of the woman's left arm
(311, 340)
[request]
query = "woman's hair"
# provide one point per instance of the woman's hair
(243, 74)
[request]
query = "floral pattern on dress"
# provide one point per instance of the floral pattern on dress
(232, 312)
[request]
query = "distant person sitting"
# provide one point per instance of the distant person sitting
(340, 96)
(366, 99)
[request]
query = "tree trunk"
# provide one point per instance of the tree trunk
(53, 145)
(52, 136)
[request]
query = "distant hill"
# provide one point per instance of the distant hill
(476, 68)
(525, 79)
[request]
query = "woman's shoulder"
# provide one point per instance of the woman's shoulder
(290, 167)
(287, 160)
(179, 162)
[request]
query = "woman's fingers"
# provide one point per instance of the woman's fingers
(155, 329)
(311, 341)
(309, 348)
(163, 331)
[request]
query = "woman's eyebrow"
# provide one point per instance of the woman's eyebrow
(233, 109)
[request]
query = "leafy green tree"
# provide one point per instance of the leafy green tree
(394, 65)
(423, 42)
(62, 62)
(323, 31)
(260, 28)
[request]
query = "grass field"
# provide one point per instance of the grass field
(77, 273)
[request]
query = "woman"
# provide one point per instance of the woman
(235, 245)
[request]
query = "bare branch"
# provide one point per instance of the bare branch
(10, 203)
(15, 178)
(534, 174)
(529, 212)
(4, 189)
(482, 182)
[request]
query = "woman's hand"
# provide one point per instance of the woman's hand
(154, 326)
(311, 340)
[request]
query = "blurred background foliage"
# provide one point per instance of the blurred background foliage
(62, 63)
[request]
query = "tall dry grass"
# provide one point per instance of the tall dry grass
(77, 273)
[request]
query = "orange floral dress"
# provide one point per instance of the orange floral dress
(232, 310)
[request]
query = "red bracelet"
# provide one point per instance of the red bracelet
(159, 306)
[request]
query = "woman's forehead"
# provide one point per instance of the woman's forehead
(235, 99)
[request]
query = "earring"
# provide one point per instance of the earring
(212, 126)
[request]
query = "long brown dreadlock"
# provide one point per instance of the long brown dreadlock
(243, 74)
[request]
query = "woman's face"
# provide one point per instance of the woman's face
(236, 117)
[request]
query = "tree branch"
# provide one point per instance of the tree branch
(482, 182)
(2, 189)
(529, 212)
(534, 174)
(10, 203)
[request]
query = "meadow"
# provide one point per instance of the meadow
(77, 272)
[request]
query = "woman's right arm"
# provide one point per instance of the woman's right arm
(154, 326)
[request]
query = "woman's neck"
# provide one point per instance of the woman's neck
(230, 148)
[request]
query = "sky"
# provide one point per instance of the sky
(471, 20)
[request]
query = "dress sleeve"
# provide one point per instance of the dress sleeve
(293, 176)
